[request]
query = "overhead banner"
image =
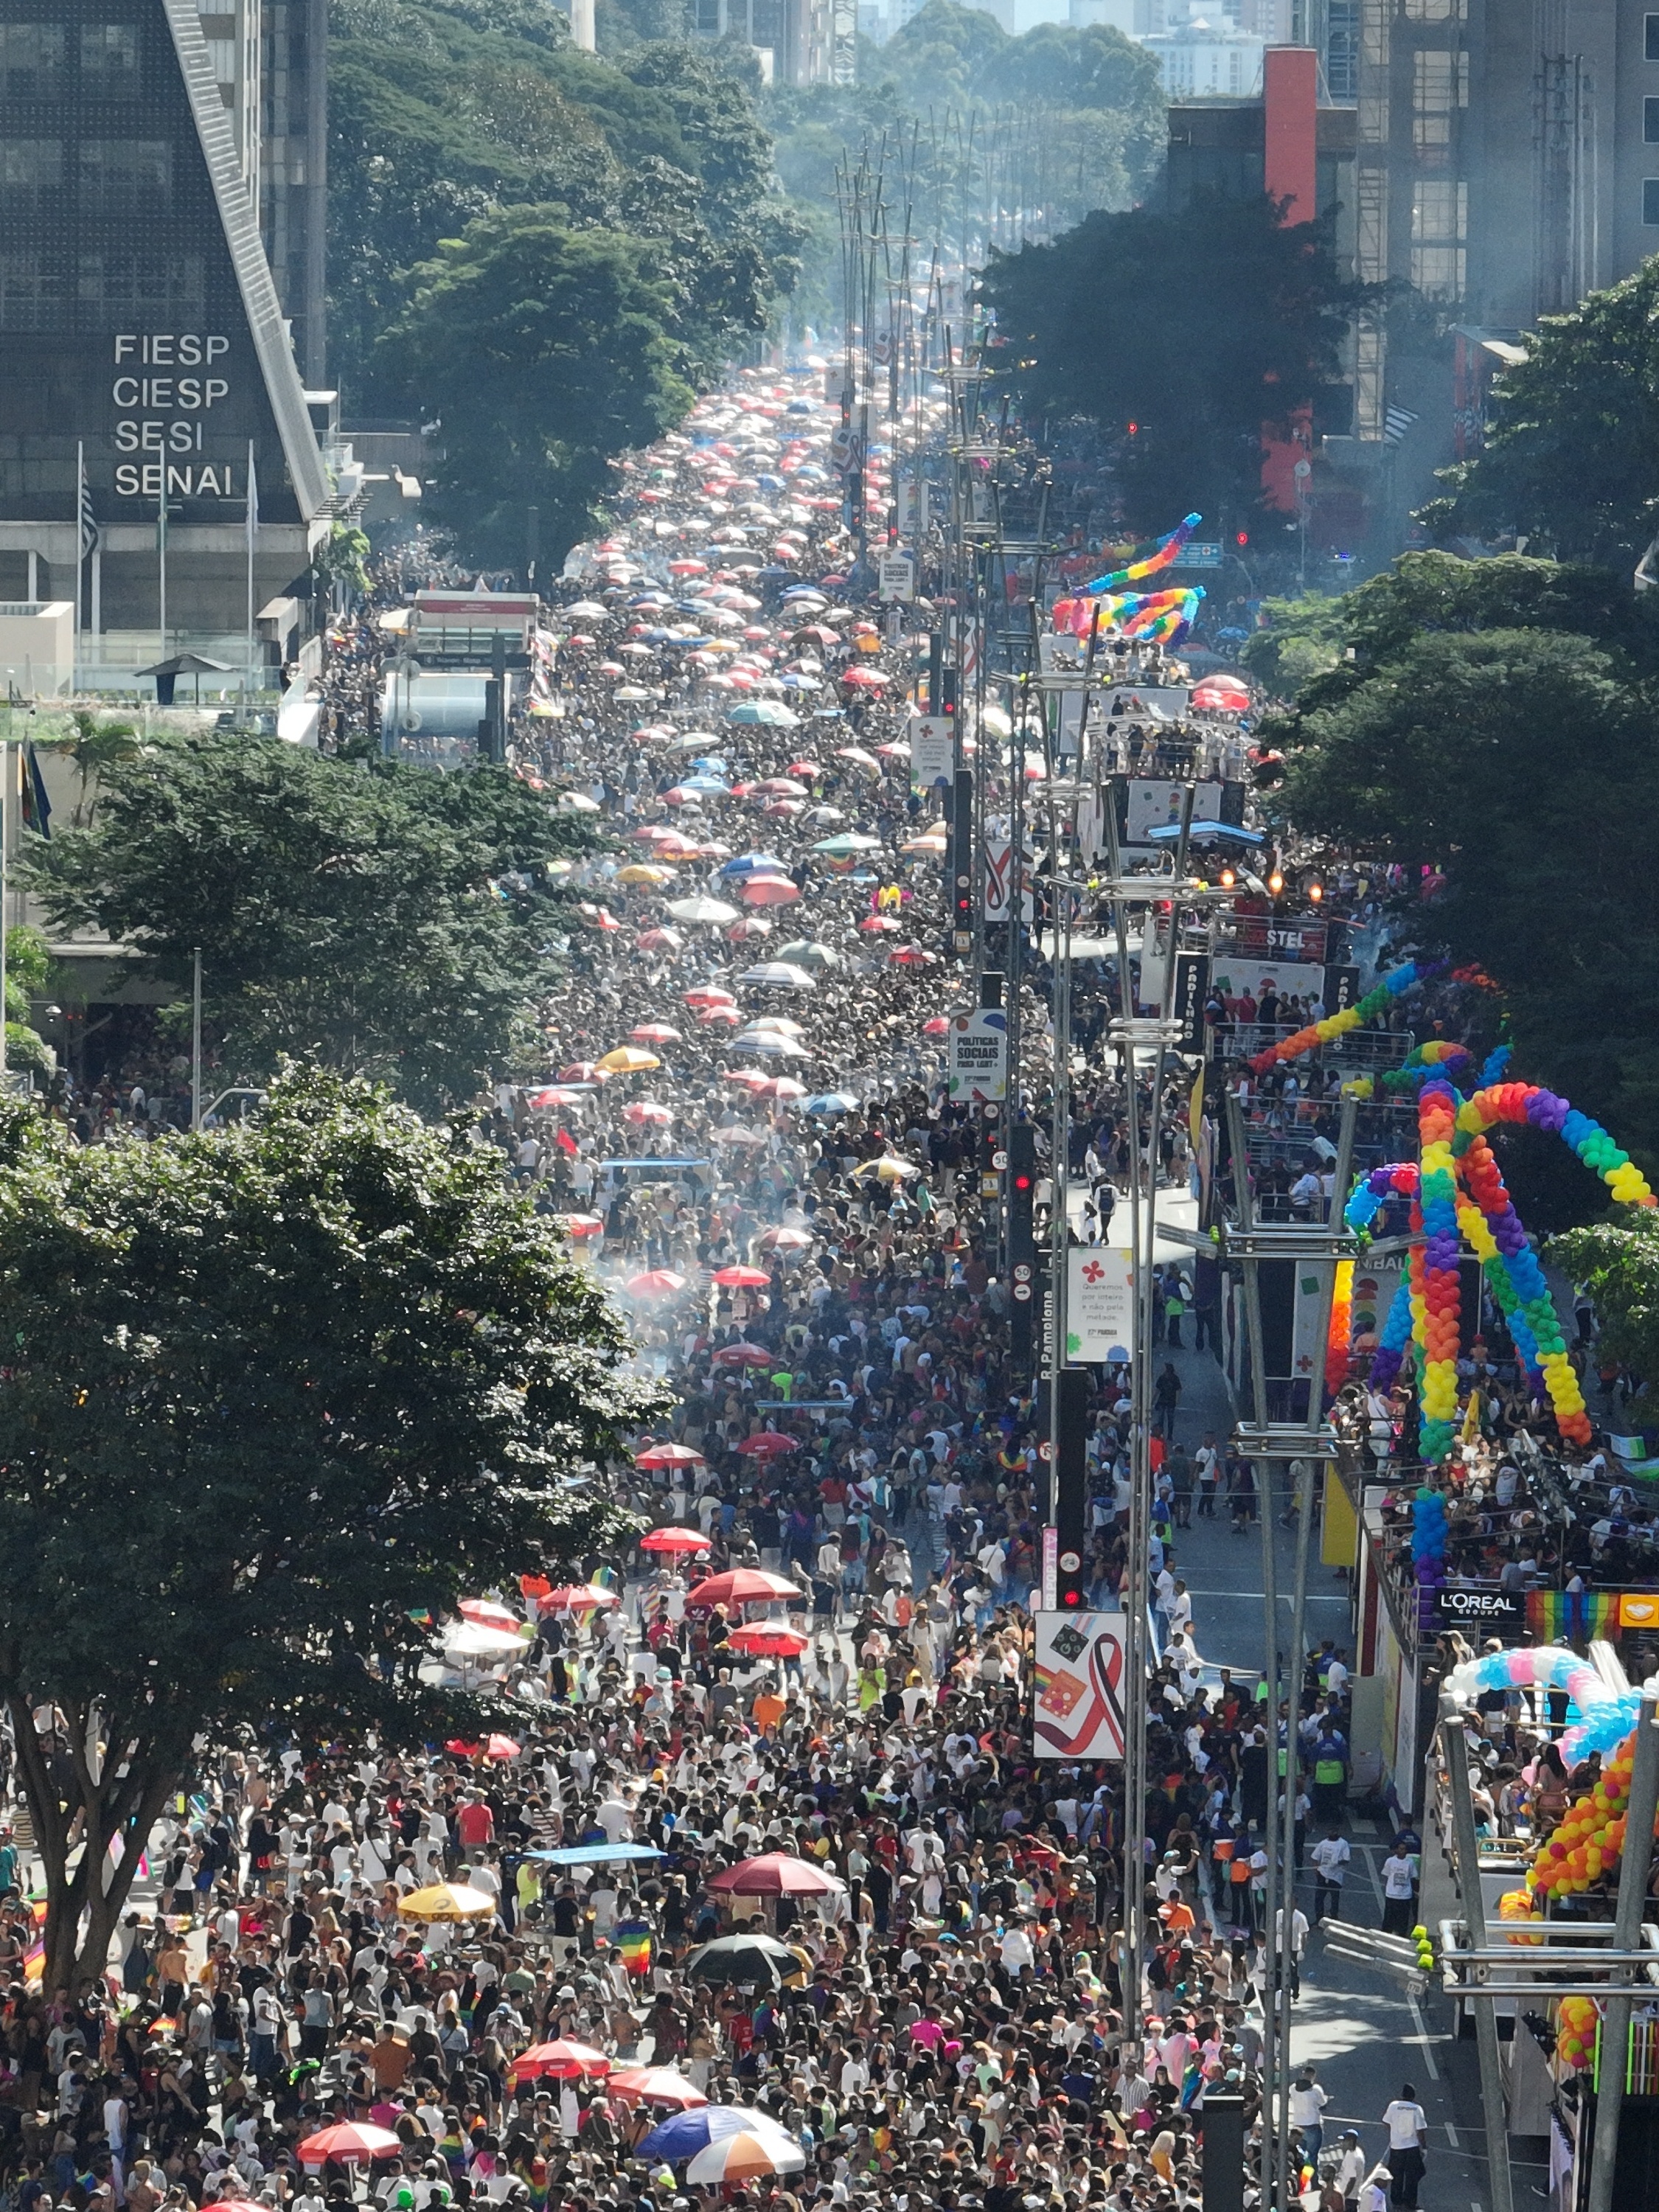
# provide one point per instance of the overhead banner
(979, 1056)
(1150, 803)
(1100, 1305)
(1076, 1710)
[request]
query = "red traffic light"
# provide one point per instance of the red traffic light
(1022, 1182)
(1244, 537)
(1071, 1597)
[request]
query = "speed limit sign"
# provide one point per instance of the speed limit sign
(1070, 1562)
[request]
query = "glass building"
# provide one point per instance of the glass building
(149, 396)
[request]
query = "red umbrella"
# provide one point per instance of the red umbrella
(873, 925)
(771, 891)
(911, 956)
(654, 1033)
(646, 1112)
(729, 1015)
(674, 1540)
(458, 1747)
(562, 2060)
(768, 1639)
(777, 1874)
(743, 1279)
(767, 1444)
(655, 1283)
(1223, 693)
(938, 1027)
(743, 1355)
(583, 1224)
(745, 1586)
(576, 1597)
(668, 1456)
(655, 2085)
(502, 1746)
(709, 994)
(583, 1070)
(350, 2142)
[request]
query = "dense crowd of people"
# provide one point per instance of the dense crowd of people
(515, 1959)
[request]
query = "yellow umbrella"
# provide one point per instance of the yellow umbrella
(889, 1169)
(447, 1900)
(641, 872)
(628, 1060)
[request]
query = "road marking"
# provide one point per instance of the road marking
(1422, 2027)
(1451, 2136)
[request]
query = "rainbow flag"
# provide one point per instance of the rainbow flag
(1572, 1616)
(633, 1942)
(34, 1958)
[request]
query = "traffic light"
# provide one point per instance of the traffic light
(1242, 538)
(1072, 1489)
(1022, 1243)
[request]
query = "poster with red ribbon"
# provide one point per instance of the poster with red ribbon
(1077, 1698)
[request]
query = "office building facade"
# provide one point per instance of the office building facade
(149, 397)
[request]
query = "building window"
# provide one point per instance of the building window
(31, 61)
(1651, 38)
(1440, 210)
(1437, 272)
(1650, 121)
(32, 298)
(1651, 199)
(119, 175)
(31, 170)
(109, 58)
(115, 286)
(1440, 86)
(1437, 11)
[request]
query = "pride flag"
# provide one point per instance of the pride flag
(633, 1940)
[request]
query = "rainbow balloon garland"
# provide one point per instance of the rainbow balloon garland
(1154, 617)
(1166, 551)
(1457, 1196)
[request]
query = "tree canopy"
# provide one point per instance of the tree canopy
(1180, 336)
(445, 115)
(1618, 1262)
(327, 1375)
(541, 351)
(372, 918)
(1572, 455)
(966, 120)
(1495, 720)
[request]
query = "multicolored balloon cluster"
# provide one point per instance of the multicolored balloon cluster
(1340, 1333)
(1149, 617)
(1576, 2020)
(1604, 1716)
(1167, 550)
(1589, 1839)
(1375, 1002)
(1428, 1551)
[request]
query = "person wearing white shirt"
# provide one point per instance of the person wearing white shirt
(1016, 1951)
(1407, 2124)
(1330, 1857)
(1308, 2103)
(1350, 2167)
(1399, 1887)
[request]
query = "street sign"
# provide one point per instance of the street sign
(998, 1160)
(979, 1055)
(897, 578)
(1022, 1291)
(1199, 553)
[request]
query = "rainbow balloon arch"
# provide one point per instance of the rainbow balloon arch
(1455, 1194)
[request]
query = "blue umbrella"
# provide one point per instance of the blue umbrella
(829, 1103)
(1168, 832)
(682, 2136)
(753, 863)
(595, 1853)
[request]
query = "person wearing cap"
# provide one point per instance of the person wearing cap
(1350, 2167)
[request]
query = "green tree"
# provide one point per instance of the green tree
(1301, 638)
(1519, 762)
(268, 1391)
(96, 745)
(1617, 1261)
(1250, 318)
(1571, 458)
(542, 350)
(372, 918)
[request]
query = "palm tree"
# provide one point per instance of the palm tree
(95, 747)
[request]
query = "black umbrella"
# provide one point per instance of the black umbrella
(750, 1960)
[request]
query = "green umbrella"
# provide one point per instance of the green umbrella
(805, 952)
(846, 843)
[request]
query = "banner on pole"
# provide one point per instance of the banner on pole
(1100, 1305)
(932, 750)
(1076, 1710)
(998, 878)
(979, 1056)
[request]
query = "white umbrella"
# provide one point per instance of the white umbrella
(780, 974)
(470, 1639)
(715, 912)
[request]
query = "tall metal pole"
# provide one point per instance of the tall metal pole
(1286, 1933)
(1614, 2057)
(1135, 1595)
(195, 1040)
(1455, 1745)
(5, 863)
